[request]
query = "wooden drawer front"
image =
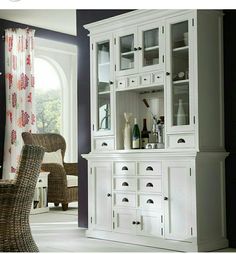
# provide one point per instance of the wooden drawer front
(125, 200)
(104, 144)
(146, 79)
(128, 184)
(133, 81)
(149, 185)
(42, 182)
(125, 168)
(181, 141)
(149, 168)
(158, 77)
(121, 83)
(149, 202)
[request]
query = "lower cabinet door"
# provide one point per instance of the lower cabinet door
(149, 223)
(178, 200)
(101, 196)
(125, 221)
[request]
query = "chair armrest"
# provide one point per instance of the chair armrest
(71, 168)
(57, 172)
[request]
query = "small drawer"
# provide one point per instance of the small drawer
(42, 182)
(158, 77)
(101, 144)
(149, 202)
(146, 79)
(149, 185)
(125, 199)
(121, 83)
(124, 168)
(181, 141)
(149, 168)
(121, 184)
(133, 81)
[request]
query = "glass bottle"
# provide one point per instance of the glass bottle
(144, 134)
(136, 135)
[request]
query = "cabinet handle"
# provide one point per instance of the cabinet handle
(137, 223)
(144, 79)
(167, 73)
(124, 168)
(104, 144)
(149, 168)
(133, 81)
(120, 83)
(149, 185)
(111, 82)
(165, 198)
(150, 201)
(158, 76)
(139, 48)
(40, 180)
(108, 194)
(125, 200)
(135, 49)
(181, 140)
(125, 184)
(133, 222)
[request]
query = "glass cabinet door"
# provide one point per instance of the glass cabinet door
(103, 70)
(180, 88)
(127, 52)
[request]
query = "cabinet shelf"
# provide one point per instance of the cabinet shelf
(151, 48)
(104, 93)
(129, 54)
(185, 48)
(104, 64)
(180, 82)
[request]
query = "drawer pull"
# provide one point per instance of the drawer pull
(125, 184)
(125, 200)
(108, 194)
(132, 81)
(124, 168)
(120, 83)
(181, 140)
(150, 201)
(134, 222)
(104, 144)
(40, 180)
(149, 168)
(149, 185)
(158, 76)
(144, 79)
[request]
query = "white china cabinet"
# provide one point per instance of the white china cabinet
(173, 197)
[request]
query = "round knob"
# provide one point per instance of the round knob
(111, 83)
(165, 198)
(135, 49)
(133, 222)
(137, 222)
(109, 194)
(139, 48)
(167, 74)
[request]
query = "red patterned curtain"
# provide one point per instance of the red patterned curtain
(20, 113)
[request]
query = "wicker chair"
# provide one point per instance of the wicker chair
(15, 203)
(59, 188)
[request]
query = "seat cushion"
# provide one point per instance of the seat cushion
(53, 157)
(72, 180)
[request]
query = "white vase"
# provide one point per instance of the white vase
(127, 136)
(181, 117)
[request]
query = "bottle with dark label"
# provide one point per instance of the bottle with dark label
(144, 134)
(135, 136)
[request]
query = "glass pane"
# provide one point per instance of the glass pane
(151, 47)
(180, 73)
(127, 52)
(103, 74)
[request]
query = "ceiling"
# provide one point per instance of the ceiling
(63, 21)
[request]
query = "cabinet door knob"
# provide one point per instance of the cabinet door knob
(167, 73)
(137, 222)
(108, 194)
(40, 180)
(111, 82)
(139, 48)
(124, 168)
(165, 198)
(133, 222)
(135, 49)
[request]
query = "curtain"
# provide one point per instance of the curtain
(20, 112)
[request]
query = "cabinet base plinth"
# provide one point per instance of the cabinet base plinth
(159, 242)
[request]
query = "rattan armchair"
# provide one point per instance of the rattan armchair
(15, 203)
(59, 189)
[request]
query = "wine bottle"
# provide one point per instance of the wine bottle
(144, 134)
(135, 136)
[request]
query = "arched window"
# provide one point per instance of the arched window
(48, 97)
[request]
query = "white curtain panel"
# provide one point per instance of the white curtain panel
(20, 112)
